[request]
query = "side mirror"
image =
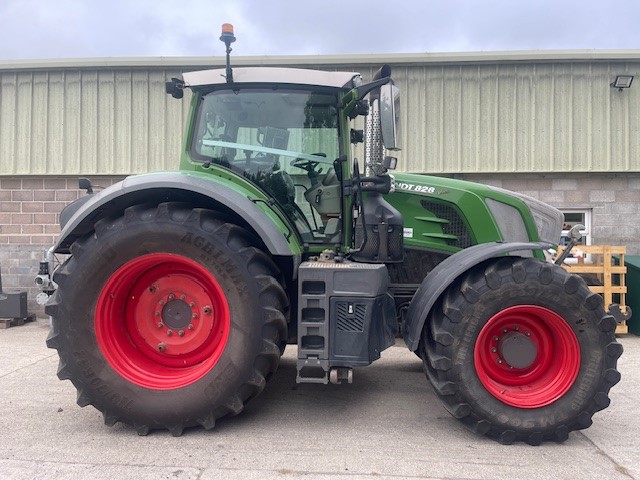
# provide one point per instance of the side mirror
(175, 88)
(390, 115)
(85, 184)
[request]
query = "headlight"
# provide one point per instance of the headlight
(509, 221)
(548, 219)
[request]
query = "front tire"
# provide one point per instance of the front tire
(520, 350)
(167, 317)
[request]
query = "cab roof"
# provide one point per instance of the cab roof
(293, 76)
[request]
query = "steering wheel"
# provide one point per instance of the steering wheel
(308, 165)
(304, 164)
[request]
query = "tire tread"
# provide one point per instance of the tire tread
(273, 301)
(446, 323)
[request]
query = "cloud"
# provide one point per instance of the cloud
(91, 28)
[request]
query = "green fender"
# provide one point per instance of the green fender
(445, 273)
(79, 217)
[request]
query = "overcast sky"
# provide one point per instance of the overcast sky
(39, 29)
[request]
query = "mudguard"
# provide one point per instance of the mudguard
(169, 186)
(445, 273)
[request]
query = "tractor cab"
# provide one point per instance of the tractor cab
(286, 141)
(289, 132)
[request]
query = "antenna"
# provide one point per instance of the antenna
(228, 38)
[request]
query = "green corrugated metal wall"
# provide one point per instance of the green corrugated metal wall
(89, 121)
(468, 116)
(521, 118)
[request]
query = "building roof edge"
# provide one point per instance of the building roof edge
(532, 56)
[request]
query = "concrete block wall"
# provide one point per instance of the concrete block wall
(29, 211)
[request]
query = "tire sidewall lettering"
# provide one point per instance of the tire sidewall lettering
(98, 384)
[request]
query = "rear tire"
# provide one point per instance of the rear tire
(521, 350)
(167, 317)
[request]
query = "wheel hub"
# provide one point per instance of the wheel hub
(176, 314)
(517, 350)
(174, 317)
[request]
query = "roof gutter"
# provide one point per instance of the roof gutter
(532, 56)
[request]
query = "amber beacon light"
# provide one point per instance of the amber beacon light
(228, 38)
(227, 33)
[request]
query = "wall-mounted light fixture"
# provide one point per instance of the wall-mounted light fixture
(622, 81)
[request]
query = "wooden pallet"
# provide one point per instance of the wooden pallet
(16, 322)
(610, 272)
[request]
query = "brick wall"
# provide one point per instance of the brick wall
(29, 210)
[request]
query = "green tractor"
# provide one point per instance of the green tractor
(182, 289)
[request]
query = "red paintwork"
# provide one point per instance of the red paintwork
(551, 374)
(129, 310)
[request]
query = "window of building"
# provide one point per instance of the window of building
(575, 217)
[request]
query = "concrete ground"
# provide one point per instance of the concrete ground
(387, 425)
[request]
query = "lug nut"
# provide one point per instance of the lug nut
(192, 304)
(160, 324)
(171, 296)
(169, 332)
(157, 314)
(195, 315)
(190, 327)
(527, 334)
(180, 333)
(500, 360)
(495, 339)
(494, 350)
(162, 346)
(182, 297)
(504, 330)
(516, 328)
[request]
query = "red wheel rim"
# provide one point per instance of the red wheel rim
(543, 347)
(162, 321)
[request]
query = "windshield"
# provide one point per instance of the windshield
(283, 140)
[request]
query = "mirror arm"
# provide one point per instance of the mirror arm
(575, 236)
(363, 90)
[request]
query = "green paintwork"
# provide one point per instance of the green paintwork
(345, 148)
(465, 197)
